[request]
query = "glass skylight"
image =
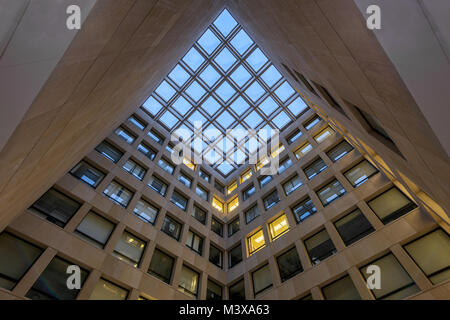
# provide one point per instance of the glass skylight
(224, 82)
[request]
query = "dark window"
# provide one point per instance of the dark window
(262, 279)
(340, 150)
(216, 256)
(135, 169)
(105, 290)
(391, 205)
(194, 242)
(233, 227)
(171, 228)
(271, 200)
(331, 192)
(264, 180)
(52, 283)
(292, 184)
(360, 173)
(303, 210)
(56, 207)
(87, 173)
(158, 186)
(248, 192)
(342, 289)
(204, 175)
(202, 193)
(251, 214)
(199, 214)
(161, 266)
(353, 227)
(289, 264)
(320, 247)
(235, 256)
(95, 229)
(179, 200)
(213, 291)
(219, 187)
(294, 136)
(217, 227)
(109, 151)
(237, 291)
(316, 167)
(284, 164)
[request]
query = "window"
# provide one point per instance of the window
(166, 166)
(17, 256)
(278, 227)
(391, 205)
(262, 279)
(248, 192)
(217, 227)
(219, 187)
(246, 175)
(188, 164)
(216, 256)
(294, 136)
(213, 291)
(95, 229)
(233, 204)
(169, 148)
(353, 227)
(125, 135)
(289, 264)
(277, 151)
(118, 193)
(232, 187)
(316, 167)
(137, 122)
(324, 134)
(171, 227)
(105, 290)
(340, 150)
(261, 163)
(312, 122)
(179, 200)
(342, 289)
(375, 125)
(233, 227)
(204, 175)
(184, 179)
(237, 291)
(202, 193)
(109, 151)
(432, 254)
(264, 180)
(396, 284)
(235, 256)
(251, 214)
(199, 214)
(146, 211)
(56, 207)
(360, 173)
(161, 266)
(155, 136)
(189, 281)
(147, 151)
(255, 242)
(135, 169)
(194, 242)
(52, 283)
(284, 164)
(271, 200)
(87, 173)
(304, 149)
(319, 247)
(292, 184)
(304, 209)
(158, 186)
(331, 192)
(216, 203)
(129, 248)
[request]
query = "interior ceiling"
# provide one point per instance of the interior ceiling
(125, 48)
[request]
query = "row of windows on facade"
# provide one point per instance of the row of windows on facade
(430, 252)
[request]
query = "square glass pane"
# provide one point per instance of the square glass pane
(297, 106)
(225, 23)
(179, 75)
(240, 106)
(268, 106)
(225, 119)
(225, 91)
(208, 41)
(182, 105)
(165, 91)
(195, 91)
(168, 119)
(240, 76)
(256, 59)
(281, 120)
(241, 42)
(255, 91)
(253, 120)
(211, 106)
(225, 59)
(225, 168)
(284, 91)
(197, 117)
(210, 76)
(152, 105)
(271, 76)
(193, 59)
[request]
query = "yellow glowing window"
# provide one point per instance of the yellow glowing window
(261, 163)
(246, 175)
(304, 149)
(255, 242)
(231, 187)
(188, 164)
(277, 151)
(216, 203)
(278, 226)
(233, 204)
(322, 135)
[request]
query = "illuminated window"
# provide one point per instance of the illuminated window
(245, 176)
(278, 226)
(324, 134)
(277, 151)
(303, 150)
(188, 164)
(233, 204)
(255, 242)
(232, 187)
(261, 163)
(216, 203)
